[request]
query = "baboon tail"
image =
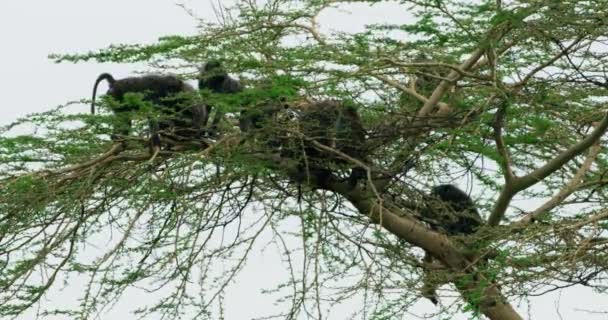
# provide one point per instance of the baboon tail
(103, 76)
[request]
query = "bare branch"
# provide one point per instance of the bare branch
(521, 183)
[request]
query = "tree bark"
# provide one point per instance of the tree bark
(493, 304)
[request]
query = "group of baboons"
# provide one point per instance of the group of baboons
(324, 125)
(182, 115)
(330, 133)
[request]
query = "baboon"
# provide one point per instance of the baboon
(173, 96)
(337, 126)
(214, 78)
(327, 122)
(452, 212)
(461, 217)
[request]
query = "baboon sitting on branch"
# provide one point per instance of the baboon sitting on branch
(320, 135)
(181, 116)
(450, 211)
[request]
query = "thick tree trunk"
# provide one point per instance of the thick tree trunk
(493, 304)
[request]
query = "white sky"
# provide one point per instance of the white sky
(30, 30)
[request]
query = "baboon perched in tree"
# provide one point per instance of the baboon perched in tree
(328, 123)
(336, 126)
(214, 78)
(175, 99)
(450, 211)
(461, 216)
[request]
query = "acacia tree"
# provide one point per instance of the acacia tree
(506, 98)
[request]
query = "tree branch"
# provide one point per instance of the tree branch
(522, 183)
(397, 222)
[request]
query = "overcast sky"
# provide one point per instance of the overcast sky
(30, 30)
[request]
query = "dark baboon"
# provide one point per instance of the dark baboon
(328, 123)
(334, 125)
(174, 97)
(338, 127)
(462, 216)
(214, 78)
(451, 211)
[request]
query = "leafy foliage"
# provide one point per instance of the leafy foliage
(500, 97)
